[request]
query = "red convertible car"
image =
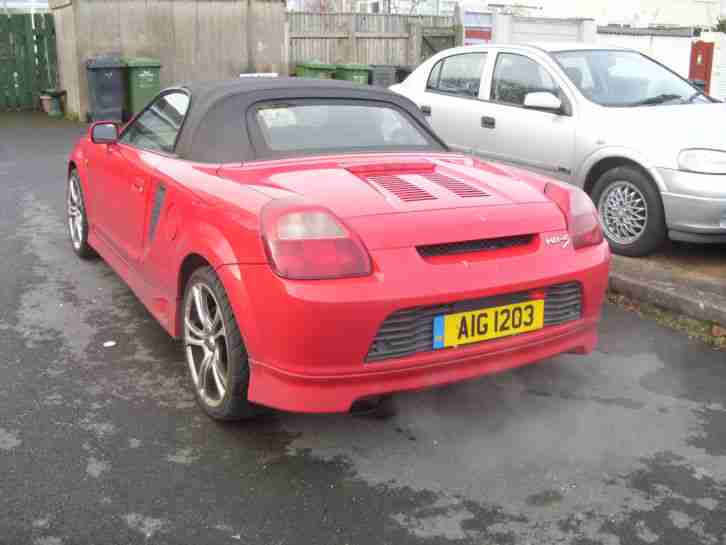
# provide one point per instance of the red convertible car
(315, 244)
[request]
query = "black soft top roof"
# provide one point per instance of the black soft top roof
(215, 129)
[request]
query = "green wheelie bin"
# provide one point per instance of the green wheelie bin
(315, 70)
(358, 73)
(142, 82)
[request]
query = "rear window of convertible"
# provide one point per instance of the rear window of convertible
(309, 126)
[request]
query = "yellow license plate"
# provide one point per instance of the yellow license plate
(488, 323)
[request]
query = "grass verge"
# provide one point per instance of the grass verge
(704, 331)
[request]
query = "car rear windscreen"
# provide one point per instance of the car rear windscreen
(308, 126)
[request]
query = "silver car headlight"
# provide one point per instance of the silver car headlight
(703, 161)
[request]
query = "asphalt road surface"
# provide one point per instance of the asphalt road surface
(106, 446)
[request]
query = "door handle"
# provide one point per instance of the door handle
(488, 122)
(138, 185)
(426, 110)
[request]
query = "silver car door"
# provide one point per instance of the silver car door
(451, 98)
(535, 139)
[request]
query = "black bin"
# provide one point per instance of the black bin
(106, 87)
(383, 75)
(402, 72)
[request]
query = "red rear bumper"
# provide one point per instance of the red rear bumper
(336, 393)
(308, 341)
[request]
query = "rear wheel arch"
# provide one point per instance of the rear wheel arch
(194, 261)
(200, 244)
(189, 264)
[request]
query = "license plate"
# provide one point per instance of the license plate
(488, 323)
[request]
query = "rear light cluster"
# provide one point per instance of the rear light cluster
(583, 223)
(309, 243)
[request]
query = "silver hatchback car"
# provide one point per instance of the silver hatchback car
(646, 145)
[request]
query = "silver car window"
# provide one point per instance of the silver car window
(516, 75)
(458, 74)
(579, 73)
(624, 78)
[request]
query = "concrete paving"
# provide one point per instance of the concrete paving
(105, 445)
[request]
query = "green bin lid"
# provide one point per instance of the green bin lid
(317, 65)
(353, 67)
(142, 62)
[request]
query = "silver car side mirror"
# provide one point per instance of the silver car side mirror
(543, 100)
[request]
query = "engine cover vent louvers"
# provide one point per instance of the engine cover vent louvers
(403, 189)
(455, 186)
(468, 246)
(410, 331)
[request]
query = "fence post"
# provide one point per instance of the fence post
(31, 94)
(352, 41)
(287, 68)
(414, 44)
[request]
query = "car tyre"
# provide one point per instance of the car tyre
(76, 217)
(631, 211)
(214, 350)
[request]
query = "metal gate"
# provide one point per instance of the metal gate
(28, 62)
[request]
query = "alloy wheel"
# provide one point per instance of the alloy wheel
(623, 211)
(205, 344)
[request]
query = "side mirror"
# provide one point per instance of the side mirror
(104, 132)
(543, 100)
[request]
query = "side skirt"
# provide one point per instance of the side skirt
(156, 303)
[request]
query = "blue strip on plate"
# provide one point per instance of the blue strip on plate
(438, 332)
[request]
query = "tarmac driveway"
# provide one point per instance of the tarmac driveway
(105, 445)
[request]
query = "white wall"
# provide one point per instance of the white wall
(718, 69)
(640, 13)
(674, 52)
(516, 29)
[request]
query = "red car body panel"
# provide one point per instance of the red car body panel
(308, 340)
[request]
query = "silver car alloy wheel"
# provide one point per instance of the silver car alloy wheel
(76, 212)
(205, 344)
(623, 211)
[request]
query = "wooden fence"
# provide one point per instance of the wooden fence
(27, 59)
(365, 38)
(195, 40)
